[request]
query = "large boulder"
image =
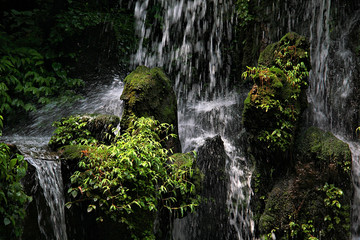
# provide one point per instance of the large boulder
(210, 221)
(148, 93)
(316, 194)
(212, 214)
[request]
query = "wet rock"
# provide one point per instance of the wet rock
(211, 218)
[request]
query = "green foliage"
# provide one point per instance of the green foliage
(135, 173)
(243, 13)
(303, 231)
(71, 131)
(37, 47)
(84, 129)
(12, 196)
(338, 214)
(337, 218)
(25, 81)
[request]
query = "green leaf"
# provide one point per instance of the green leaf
(74, 193)
(6, 221)
(12, 163)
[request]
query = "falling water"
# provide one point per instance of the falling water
(187, 39)
(319, 50)
(102, 97)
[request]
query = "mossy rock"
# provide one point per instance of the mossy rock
(279, 206)
(331, 156)
(88, 127)
(148, 93)
(269, 107)
(297, 48)
(274, 104)
(302, 196)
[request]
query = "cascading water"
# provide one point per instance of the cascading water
(187, 39)
(331, 80)
(103, 97)
(48, 173)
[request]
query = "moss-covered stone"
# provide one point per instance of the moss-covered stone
(331, 156)
(148, 93)
(279, 206)
(294, 45)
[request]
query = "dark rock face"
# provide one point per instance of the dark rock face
(149, 93)
(212, 212)
(210, 221)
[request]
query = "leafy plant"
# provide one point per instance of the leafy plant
(243, 12)
(12, 196)
(338, 214)
(134, 173)
(303, 231)
(70, 131)
(24, 79)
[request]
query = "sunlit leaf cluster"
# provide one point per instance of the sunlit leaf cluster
(134, 173)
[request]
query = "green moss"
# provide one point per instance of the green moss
(324, 148)
(294, 45)
(147, 93)
(73, 152)
(279, 206)
(267, 57)
(274, 104)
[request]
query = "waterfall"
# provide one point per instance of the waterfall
(188, 40)
(103, 97)
(51, 216)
